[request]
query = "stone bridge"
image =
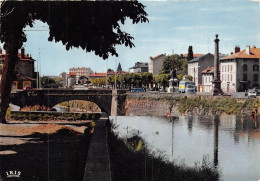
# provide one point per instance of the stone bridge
(107, 100)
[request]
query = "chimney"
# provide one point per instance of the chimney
(253, 46)
(237, 49)
(22, 52)
(231, 53)
(248, 49)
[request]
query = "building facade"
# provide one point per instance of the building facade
(139, 67)
(207, 78)
(240, 71)
(155, 64)
(63, 75)
(81, 72)
(197, 65)
(24, 70)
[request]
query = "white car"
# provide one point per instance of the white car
(251, 93)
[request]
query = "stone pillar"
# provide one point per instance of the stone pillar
(216, 82)
(216, 60)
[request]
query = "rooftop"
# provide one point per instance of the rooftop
(208, 70)
(194, 55)
(153, 58)
(254, 53)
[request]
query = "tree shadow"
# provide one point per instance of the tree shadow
(58, 156)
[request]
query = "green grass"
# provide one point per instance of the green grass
(223, 105)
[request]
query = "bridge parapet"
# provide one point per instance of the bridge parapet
(52, 97)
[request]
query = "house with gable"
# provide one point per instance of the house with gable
(139, 67)
(24, 70)
(197, 65)
(240, 70)
(155, 64)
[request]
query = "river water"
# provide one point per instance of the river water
(232, 143)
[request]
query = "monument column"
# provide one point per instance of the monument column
(216, 81)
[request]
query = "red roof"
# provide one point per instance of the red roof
(98, 75)
(194, 55)
(208, 70)
(254, 53)
(72, 73)
(153, 58)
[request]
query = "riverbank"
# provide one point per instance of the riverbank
(131, 160)
(181, 105)
(44, 151)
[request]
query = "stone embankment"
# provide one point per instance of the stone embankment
(158, 105)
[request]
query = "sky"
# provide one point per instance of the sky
(173, 27)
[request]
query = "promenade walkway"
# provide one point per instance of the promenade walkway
(98, 162)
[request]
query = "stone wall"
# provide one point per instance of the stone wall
(146, 107)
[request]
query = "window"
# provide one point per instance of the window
(245, 77)
(245, 67)
(255, 78)
(255, 67)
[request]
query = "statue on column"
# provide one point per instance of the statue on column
(173, 81)
(173, 73)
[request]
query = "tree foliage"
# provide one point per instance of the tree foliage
(190, 53)
(174, 61)
(92, 26)
(48, 82)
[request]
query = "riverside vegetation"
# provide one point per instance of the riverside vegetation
(202, 105)
(132, 160)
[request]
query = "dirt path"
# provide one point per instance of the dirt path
(44, 151)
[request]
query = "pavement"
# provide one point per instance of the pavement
(98, 162)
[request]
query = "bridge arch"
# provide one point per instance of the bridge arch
(52, 97)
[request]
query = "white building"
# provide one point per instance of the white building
(155, 64)
(240, 71)
(139, 67)
(207, 78)
(81, 72)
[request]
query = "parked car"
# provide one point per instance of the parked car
(190, 89)
(183, 85)
(137, 90)
(251, 93)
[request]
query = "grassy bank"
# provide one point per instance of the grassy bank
(196, 105)
(201, 105)
(131, 160)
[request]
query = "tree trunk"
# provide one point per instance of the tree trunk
(8, 76)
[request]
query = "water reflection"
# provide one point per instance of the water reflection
(190, 124)
(216, 125)
(231, 142)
